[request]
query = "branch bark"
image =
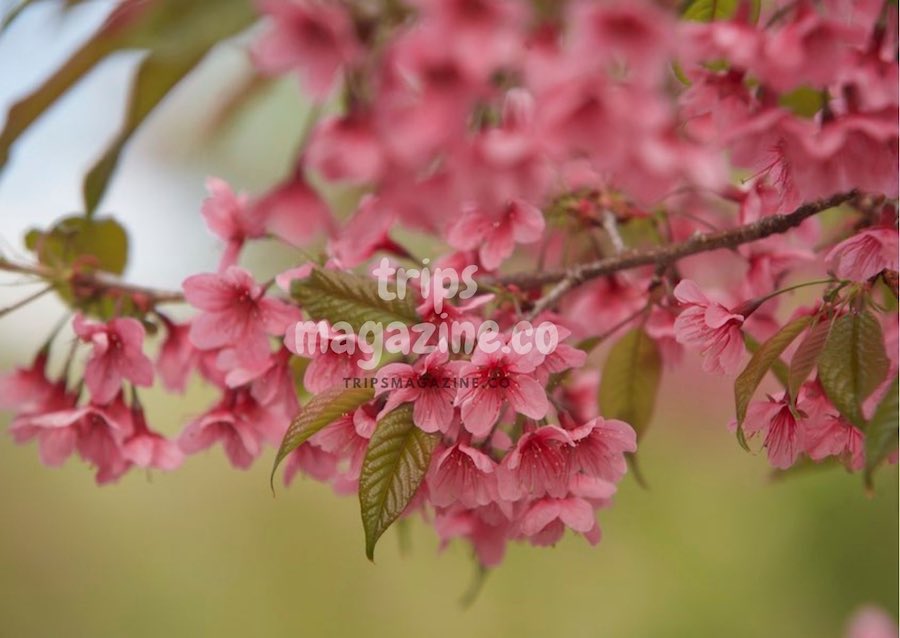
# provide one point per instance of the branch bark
(661, 256)
(88, 284)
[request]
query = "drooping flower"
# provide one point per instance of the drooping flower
(148, 449)
(236, 314)
(600, 446)
(462, 475)
(177, 356)
(546, 519)
(56, 439)
(539, 465)
(784, 434)
(117, 354)
(866, 254)
(311, 36)
(711, 327)
(336, 356)
(429, 384)
(230, 218)
(240, 423)
(491, 379)
(496, 234)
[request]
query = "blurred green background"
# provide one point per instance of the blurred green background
(713, 548)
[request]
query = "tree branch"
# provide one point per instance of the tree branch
(92, 284)
(662, 256)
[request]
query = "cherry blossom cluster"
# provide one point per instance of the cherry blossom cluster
(610, 168)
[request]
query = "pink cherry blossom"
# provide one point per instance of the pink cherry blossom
(346, 149)
(462, 474)
(711, 327)
(294, 212)
(336, 356)
(229, 217)
(240, 423)
(117, 355)
(487, 533)
(177, 356)
(56, 439)
(236, 314)
(494, 378)
(784, 434)
(495, 234)
(312, 461)
(600, 446)
(147, 449)
(539, 465)
(311, 36)
(546, 519)
(26, 389)
(429, 384)
(865, 254)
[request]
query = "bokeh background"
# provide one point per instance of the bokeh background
(714, 547)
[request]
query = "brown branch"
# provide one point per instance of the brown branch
(662, 256)
(88, 284)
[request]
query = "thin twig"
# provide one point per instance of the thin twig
(660, 256)
(93, 283)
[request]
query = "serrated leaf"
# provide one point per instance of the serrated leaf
(853, 363)
(334, 295)
(100, 243)
(630, 380)
(760, 363)
(322, 410)
(881, 431)
(393, 468)
(779, 368)
(710, 10)
(807, 355)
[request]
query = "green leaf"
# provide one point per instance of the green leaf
(804, 101)
(323, 409)
(709, 10)
(881, 431)
(630, 380)
(394, 466)
(153, 81)
(807, 355)
(760, 363)
(779, 368)
(24, 112)
(335, 296)
(100, 243)
(179, 36)
(853, 363)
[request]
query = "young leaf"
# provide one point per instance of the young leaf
(335, 296)
(807, 354)
(881, 431)
(779, 368)
(853, 363)
(630, 380)
(323, 409)
(394, 466)
(99, 243)
(763, 359)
